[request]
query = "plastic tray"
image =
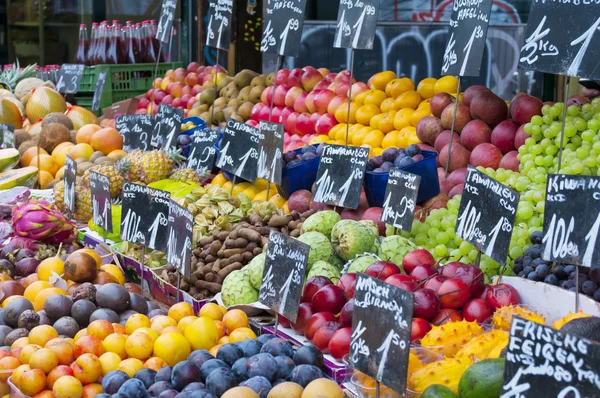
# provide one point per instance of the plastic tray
(301, 176)
(376, 183)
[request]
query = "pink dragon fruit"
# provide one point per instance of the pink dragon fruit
(68, 235)
(37, 219)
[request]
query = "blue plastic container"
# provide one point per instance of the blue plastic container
(376, 183)
(200, 125)
(301, 176)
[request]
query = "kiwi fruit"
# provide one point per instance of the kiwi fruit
(28, 144)
(52, 135)
(20, 137)
(96, 155)
(57, 117)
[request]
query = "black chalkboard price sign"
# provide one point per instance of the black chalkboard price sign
(469, 24)
(69, 178)
(487, 214)
(283, 275)
(218, 30)
(179, 251)
(340, 175)
(356, 24)
(69, 77)
(572, 220)
(7, 135)
(543, 362)
(270, 149)
(99, 89)
(238, 152)
(100, 188)
(562, 38)
(282, 28)
(165, 23)
(167, 127)
(203, 151)
(136, 131)
(400, 199)
(145, 216)
(381, 325)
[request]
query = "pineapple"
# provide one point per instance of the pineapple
(151, 166)
(503, 316)
(481, 346)
(448, 338)
(59, 196)
(569, 317)
(446, 372)
(116, 180)
(188, 175)
(83, 204)
(129, 166)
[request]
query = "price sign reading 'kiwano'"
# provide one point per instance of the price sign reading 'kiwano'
(356, 24)
(218, 31)
(238, 153)
(282, 28)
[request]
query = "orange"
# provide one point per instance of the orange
(425, 103)
(386, 123)
(408, 132)
(412, 139)
(241, 334)
(388, 104)
(402, 118)
(106, 140)
(45, 178)
(373, 139)
(341, 134)
(80, 151)
(360, 98)
(212, 311)
(399, 86)
(446, 84)
(172, 348)
(29, 154)
(366, 112)
(46, 163)
(180, 311)
(409, 99)
(418, 114)
(390, 139)
(360, 135)
(426, 87)
(381, 79)
(341, 113)
(374, 123)
(234, 319)
(85, 133)
(376, 97)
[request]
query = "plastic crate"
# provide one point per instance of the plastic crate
(122, 82)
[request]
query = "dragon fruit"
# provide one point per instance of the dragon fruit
(37, 219)
(67, 235)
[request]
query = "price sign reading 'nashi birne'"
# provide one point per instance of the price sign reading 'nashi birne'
(218, 30)
(101, 208)
(544, 362)
(572, 220)
(487, 214)
(356, 24)
(340, 175)
(381, 323)
(179, 250)
(238, 152)
(400, 199)
(203, 151)
(136, 131)
(282, 27)
(145, 216)
(563, 37)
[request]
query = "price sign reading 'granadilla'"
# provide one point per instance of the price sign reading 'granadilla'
(167, 127)
(136, 131)
(145, 216)
(179, 251)
(101, 209)
(238, 152)
(69, 178)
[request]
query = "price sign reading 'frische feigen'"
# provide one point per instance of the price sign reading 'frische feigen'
(203, 151)
(69, 77)
(340, 175)
(69, 178)
(380, 340)
(179, 252)
(400, 199)
(356, 24)
(218, 31)
(544, 362)
(572, 220)
(167, 127)
(7, 135)
(136, 131)
(562, 37)
(283, 275)
(238, 152)
(469, 24)
(487, 214)
(165, 23)
(270, 148)
(145, 216)
(100, 188)
(282, 27)
(99, 89)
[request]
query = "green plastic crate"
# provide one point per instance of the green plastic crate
(122, 82)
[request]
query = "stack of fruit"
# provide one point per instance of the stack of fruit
(257, 191)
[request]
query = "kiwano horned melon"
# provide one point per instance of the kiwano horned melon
(446, 372)
(481, 346)
(448, 338)
(503, 316)
(43, 101)
(569, 317)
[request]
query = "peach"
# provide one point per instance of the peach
(57, 373)
(486, 155)
(439, 102)
(27, 352)
(110, 361)
(503, 135)
(131, 366)
(510, 161)
(155, 363)
(139, 346)
(44, 359)
(87, 368)
(67, 387)
(463, 116)
(100, 328)
(459, 156)
(443, 139)
(474, 133)
(116, 343)
(32, 381)
(92, 390)
(89, 345)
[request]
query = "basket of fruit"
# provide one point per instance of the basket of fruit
(299, 170)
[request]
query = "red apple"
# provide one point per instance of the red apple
(313, 285)
(459, 156)
(305, 311)
(454, 293)
(429, 128)
(316, 321)
(427, 304)
(256, 110)
(346, 314)
(415, 258)
(314, 118)
(382, 270)
(471, 92)
(374, 214)
(177, 102)
(477, 310)
(463, 116)
(168, 99)
(503, 135)
(339, 345)
(474, 133)
(468, 273)
(446, 315)
(419, 328)
(347, 282)
(329, 298)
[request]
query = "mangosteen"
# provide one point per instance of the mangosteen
(24, 253)
(104, 313)
(57, 306)
(44, 318)
(138, 303)
(66, 326)
(9, 249)
(26, 266)
(82, 310)
(7, 268)
(15, 335)
(28, 319)
(85, 291)
(14, 309)
(113, 296)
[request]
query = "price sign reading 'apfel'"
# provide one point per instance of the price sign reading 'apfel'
(238, 152)
(282, 27)
(356, 24)
(145, 216)
(99, 89)
(100, 188)
(165, 23)
(69, 77)
(69, 178)
(572, 220)
(203, 151)
(340, 175)
(136, 131)
(179, 251)
(563, 37)
(167, 127)
(400, 199)
(283, 275)
(487, 214)
(7, 135)
(469, 24)
(380, 340)
(218, 31)
(544, 362)
(270, 148)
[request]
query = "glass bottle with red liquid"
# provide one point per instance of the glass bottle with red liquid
(148, 43)
(112, 53)
(153, 30)
(132, 56)
(82, 46)
(93, 44)
(102, 44)
(140, 43)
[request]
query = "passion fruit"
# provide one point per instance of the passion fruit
(57, 306)
(114, 297)
(105, 313)
(138, 303)
(82, 310)
(14, 309)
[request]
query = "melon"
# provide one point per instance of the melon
(8, 159)
(43, 101)
(25, 86)
(23, 177)
(10, 113)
